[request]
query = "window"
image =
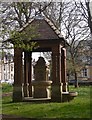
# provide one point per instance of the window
(11, 67)
(84, 72)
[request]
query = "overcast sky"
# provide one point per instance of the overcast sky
(91, 7)
(36, 56)
(39, 0)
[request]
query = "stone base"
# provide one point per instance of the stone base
(56, 95)
(37, 100)
(25, 90)
(65, 87)
(17, 93)
(68, 96)
(41, 89)
(40, 92)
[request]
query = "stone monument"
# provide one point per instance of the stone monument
(41, 84)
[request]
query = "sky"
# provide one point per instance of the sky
(36, 56)
(40, 0)
(91, 7)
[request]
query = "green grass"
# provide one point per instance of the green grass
(6, 88)
(77, 108)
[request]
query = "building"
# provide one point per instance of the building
(7, 68)
(86, 71)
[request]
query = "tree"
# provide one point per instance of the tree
(14, 16)
(76, 29)
(88, 18)
(70, 17)
(74, 24)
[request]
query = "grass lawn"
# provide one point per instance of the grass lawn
(80, 107)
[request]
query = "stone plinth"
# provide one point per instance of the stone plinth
(41, 89)
(56, 95)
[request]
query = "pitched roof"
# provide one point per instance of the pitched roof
(44, 27)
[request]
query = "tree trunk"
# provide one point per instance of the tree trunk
(76, 80)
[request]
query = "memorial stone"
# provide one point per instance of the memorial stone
(40, 84)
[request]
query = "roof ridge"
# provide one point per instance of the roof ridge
(26, 25)
(57, 31)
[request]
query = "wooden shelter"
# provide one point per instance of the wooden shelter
(49, 39)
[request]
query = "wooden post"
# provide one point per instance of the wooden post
(18, 75)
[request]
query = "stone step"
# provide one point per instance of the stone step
(31, 99)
